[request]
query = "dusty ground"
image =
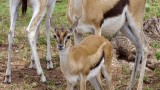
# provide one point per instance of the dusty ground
(24, 78)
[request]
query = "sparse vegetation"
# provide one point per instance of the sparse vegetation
(152, 9)
(158, 55)
(157, 46)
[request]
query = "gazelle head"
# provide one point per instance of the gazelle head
(62, 38)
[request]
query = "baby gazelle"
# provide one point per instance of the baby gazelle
(84, 61)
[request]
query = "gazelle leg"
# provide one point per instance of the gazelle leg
(138, 39)
(143, 64)
(85, 28)
(70, 86)
(31, 31)
(83, 82)
(130, 36)
(106, 67)
(77, 37)
(32, 64)
(95, 83)
(49, 14)
(107, 76)
(14, 5)
(97, 30)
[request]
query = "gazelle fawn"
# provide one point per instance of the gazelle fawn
(84, 61)
(106, 17)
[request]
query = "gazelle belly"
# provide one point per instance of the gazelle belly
(73, 78)
(94, 72)
(113, 24)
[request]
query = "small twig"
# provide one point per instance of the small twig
(41, 84)
(121, 86)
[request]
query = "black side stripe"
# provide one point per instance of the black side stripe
(98, 63)
(116, 10)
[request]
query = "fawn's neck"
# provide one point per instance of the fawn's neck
(64, 58)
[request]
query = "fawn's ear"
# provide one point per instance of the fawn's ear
(73, 27)
(52, 25)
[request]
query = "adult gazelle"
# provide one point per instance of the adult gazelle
(106, 17)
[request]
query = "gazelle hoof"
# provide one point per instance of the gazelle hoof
(43, 78)
(32, 66)
(7, 79)
(46, 82)
(49, 65)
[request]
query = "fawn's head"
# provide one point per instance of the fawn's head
(63, 36)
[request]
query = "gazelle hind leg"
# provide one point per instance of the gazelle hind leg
(107, 77)
(143, 64)
(130, 36)
(70, 86)
(138, 39)
(95, 83)
(106, 67)
(50, 8)
(31, 31)
(14, 5)
(143, 47)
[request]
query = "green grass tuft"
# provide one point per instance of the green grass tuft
(156, 45)
(158, 55)
(152, 9)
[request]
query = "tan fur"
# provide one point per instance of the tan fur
(82, 57)
(136, 9)
(74, 11)
(87, 53)
(92, 12)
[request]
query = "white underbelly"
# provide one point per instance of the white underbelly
(94, 72)
(112, 25)
(72, 78)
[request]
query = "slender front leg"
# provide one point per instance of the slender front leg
(14, 5)
(38, 14)
(51, 5)
(83, 82)
(97, 30)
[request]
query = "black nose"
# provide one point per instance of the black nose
(60, 46)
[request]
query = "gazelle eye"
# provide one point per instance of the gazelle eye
(69, 37)
(55, 36)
